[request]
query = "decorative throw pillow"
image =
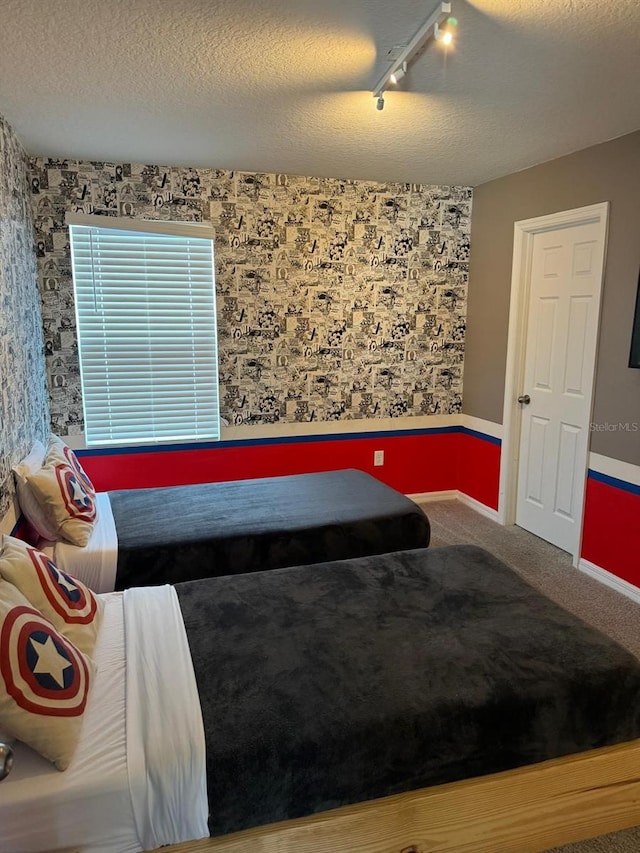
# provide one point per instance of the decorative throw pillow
(44, 680)
(61, 451)
(72, 608)
(65, 494)
(29, 504)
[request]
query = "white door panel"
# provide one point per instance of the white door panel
(566, 473)
(547, 309)
(533, 481)
(579, 316)
(564, 297)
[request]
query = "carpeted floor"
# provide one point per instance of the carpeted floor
(549, 570)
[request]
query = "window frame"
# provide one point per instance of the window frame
(171, 228)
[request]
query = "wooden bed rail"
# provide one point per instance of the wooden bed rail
(519, 811)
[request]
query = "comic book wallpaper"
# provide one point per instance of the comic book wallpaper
(336, 299)
(23, 391)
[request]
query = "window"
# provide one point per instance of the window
(146, 318)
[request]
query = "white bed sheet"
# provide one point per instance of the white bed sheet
(137, 780)
(165, 749)
(96, 563)
(89, 804)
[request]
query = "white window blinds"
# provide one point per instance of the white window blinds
(146, 316)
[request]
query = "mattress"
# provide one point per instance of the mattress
(342, 682)
(183, 533)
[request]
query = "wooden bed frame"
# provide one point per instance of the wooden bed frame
(520, 811)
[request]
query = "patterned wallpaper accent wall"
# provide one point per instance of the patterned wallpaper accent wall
(336, 299)
(24, 412)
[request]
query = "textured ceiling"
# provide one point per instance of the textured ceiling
(284, 85)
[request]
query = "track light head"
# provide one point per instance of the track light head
(399, 73)
(445, 36)
(380, 103)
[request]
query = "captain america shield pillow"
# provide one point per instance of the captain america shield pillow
(44, 680)
(72, 608)
(63, 453)
(65, 494)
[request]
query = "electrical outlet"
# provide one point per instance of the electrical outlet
(378, 457)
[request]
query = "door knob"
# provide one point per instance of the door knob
(525, 398)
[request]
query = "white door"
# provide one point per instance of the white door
(565, 268)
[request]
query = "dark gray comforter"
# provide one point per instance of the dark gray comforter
(336, 683)
(186, 532)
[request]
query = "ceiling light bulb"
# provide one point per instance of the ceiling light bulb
(443, 36)
(398, 74)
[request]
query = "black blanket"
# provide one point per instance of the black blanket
(183, 533)
(336, 683)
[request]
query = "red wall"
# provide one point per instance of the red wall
(611, 537)
(479, 467)
(416, 461)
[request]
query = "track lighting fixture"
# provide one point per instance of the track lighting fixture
(432, 27)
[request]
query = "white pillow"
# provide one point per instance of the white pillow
(33, 461)
(29, 504)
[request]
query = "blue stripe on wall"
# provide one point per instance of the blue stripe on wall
(286, 439)
(256, 442)
(614, 481)
(481, 435)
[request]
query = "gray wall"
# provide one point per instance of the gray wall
(607, 172)
(337, 300)
(24, 412)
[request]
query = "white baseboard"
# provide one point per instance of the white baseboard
(610, 580)
(424, 497)
(483, 509)
(453, 495)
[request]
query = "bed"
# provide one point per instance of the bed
(409, 701)
(180, 533)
